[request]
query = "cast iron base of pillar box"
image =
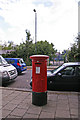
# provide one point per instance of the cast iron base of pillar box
(39, 98)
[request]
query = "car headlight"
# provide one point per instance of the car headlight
(5, 74)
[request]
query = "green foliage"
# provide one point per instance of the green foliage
(8, 46)
(74, 53)
(27, 48)
(44, 48)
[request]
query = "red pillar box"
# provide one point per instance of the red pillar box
(39, 79)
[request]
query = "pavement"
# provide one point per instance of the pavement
(17, 103)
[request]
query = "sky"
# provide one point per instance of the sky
(57, 21)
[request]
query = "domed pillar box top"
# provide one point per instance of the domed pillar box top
(39, 57)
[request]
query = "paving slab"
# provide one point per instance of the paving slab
(18, 112)
(60, 105)
(46, 115)
(10, 107)
(62, 114)
(35, 116)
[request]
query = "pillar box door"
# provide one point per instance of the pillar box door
(39, 76)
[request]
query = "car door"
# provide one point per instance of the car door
(66, 78)
(78, 77)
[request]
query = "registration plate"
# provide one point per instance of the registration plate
(24, 67)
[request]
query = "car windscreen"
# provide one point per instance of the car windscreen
(2, 61)
(21, 61)
(58, 69)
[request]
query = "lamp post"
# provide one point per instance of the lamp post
(35, 31)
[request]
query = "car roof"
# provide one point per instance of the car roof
(13, 58)
(71, 63)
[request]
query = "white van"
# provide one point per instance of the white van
(7, 71)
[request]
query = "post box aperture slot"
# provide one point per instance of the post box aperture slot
(38, 63)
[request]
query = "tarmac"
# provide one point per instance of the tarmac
(17, 104)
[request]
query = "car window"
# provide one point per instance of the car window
(10, 61)
(78, 70)
(21, 61)
(58, 69)
(68, 71)
(2, 61)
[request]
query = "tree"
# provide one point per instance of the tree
(77, 55)
(44, 48)
(8, 45)
(27, 48)
(23, 50)
(74, 53)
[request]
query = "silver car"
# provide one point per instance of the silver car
(7, 71)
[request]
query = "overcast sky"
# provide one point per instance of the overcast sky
(57, 21)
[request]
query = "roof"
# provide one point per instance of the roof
(13, 58)
(5, 51)
(71, 63)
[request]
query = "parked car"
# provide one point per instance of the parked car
(65, 77)
(7, 72)
(18, 63)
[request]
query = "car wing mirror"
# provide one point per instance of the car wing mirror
(59, 74)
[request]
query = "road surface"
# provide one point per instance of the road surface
(22, 81)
